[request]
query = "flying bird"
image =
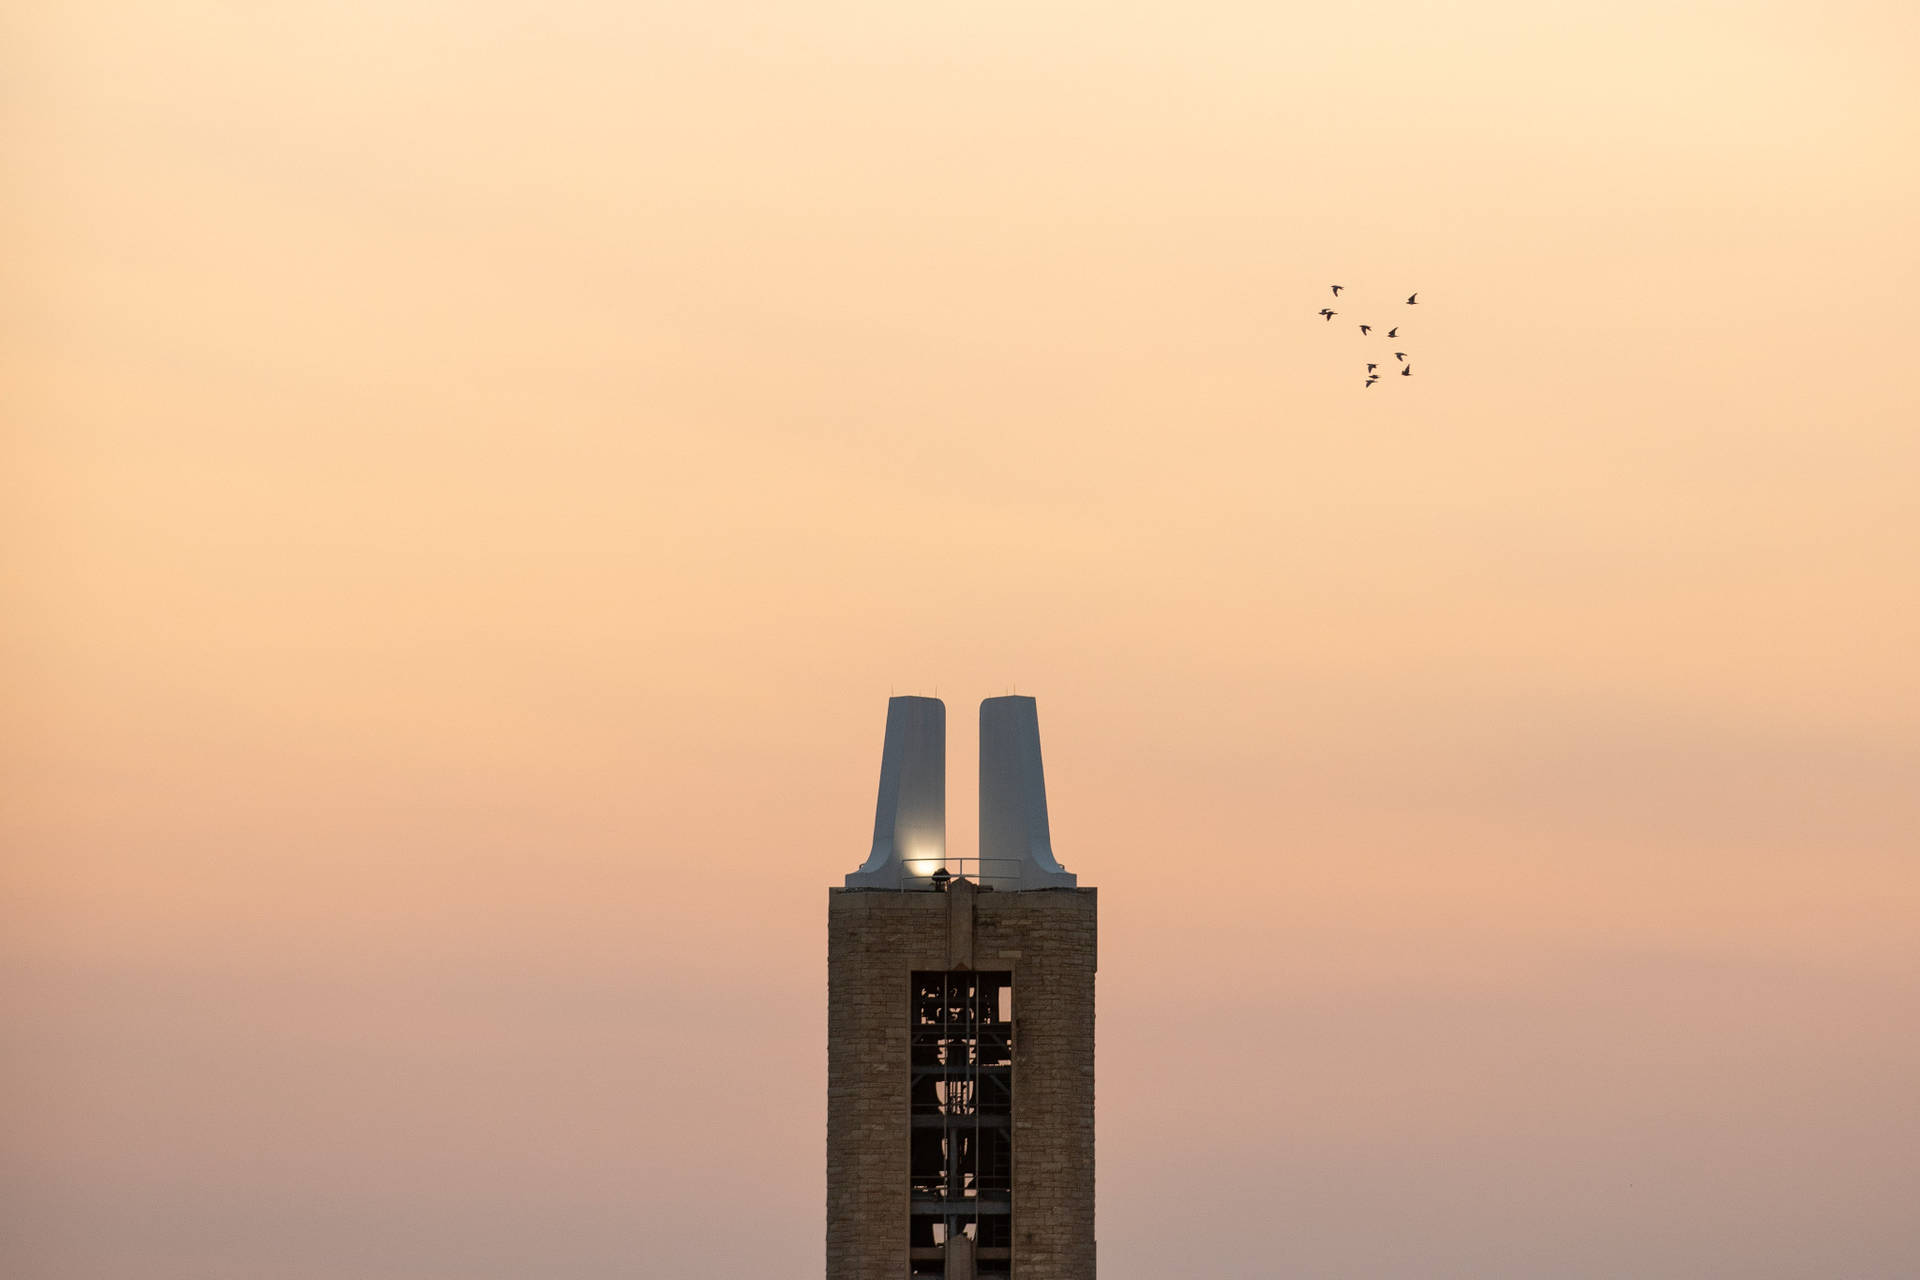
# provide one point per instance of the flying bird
(1400, 355)
(1372, 367)
(1366, 329)
(1329, 314)
(1336, 289)
(1407, 372)
(1373, 378)
(1394, 332)
(1410, 299)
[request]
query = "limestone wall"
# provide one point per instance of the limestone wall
(875, 941)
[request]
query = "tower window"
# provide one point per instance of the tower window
(961, 1091)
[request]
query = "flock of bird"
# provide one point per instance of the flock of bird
(1406, 369)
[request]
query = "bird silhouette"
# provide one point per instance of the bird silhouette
(1372, 367)
(1400, 355)
(1336, 289)
(1373, 378)
(1394, 332)
(1407, 372)
(1329, 314)
(1366, 329)
(1410, 299)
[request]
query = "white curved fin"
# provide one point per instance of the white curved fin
(910, 818)
(1016, 844)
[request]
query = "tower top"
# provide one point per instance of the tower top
(1016, 841)
(910, 817)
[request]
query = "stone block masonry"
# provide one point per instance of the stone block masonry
(876, 940)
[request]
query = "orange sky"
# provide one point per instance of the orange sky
(475, 473)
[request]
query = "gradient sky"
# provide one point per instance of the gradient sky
(474, 473)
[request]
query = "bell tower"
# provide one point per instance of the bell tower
(960, 998)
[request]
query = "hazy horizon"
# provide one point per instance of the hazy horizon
(477, 472)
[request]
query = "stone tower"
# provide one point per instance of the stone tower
(960, 1025)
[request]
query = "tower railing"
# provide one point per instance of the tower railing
(964, 868)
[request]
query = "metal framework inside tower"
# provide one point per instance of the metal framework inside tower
(961, 1092)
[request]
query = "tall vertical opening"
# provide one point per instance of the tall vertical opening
(961, 1104)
